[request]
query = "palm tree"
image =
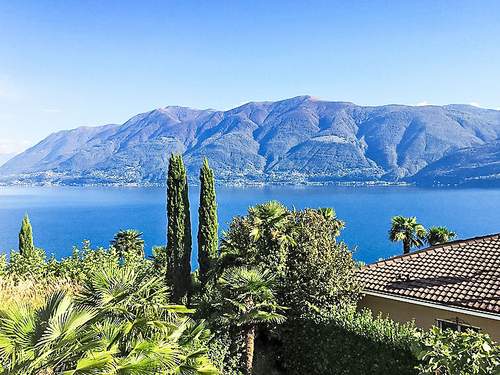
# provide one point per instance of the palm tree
(269, 232)
(259, 238)
(267, 219)
(439, 235)
(107, 329)
(137, 302)
(128, 242)
(51, 338)
(408, 231)
(248, 302)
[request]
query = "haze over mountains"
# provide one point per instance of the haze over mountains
(296, 140)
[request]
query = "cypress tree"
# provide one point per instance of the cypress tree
(188, 240)
(178, 231)
(208, 225)
(26, 246)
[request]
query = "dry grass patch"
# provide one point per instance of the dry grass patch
(32, 292)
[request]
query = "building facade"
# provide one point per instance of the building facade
(455, 285)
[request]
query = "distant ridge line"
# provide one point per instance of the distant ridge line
(301, 140)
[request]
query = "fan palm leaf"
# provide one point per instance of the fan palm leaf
(248, 301)
(439, 235)
(119, 323)
(407, 230)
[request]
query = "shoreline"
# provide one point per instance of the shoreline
(218, 183)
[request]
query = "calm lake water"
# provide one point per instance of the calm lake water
(65, 216)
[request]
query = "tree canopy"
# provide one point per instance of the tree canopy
(26, 245)
(178, 230)
(407, 230)
(207, 222)
(439, 235)
(312, 268)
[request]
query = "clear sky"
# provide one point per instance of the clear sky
(67, 63)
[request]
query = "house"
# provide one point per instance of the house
(454, 285)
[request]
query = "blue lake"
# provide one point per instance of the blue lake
(65, 216)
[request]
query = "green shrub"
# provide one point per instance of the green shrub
(75, 267)
(226, 351)
(344, 341)
(26, 266)
(319, 270)
(458, 353)
(82, 262)
(301, 249)
(86, 260)
(313, 271)
(3, 264)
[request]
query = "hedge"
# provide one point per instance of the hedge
(347, 342)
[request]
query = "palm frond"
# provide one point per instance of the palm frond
(92, 363)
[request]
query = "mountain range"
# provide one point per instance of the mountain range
(297, 140)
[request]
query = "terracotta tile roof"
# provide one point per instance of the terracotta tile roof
(464, 273)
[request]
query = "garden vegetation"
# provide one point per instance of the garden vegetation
(278, 295)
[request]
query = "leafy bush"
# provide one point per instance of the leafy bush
(344, 341)
(36, 265)
(226, 351)
(26, 266)
(458, 353)
(3, 264)
(319, 272)
(226, 348)
(82, 262)
(300, 248)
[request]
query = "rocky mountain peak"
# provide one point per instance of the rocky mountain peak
(297, 140)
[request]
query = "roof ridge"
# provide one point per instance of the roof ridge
(431, 248)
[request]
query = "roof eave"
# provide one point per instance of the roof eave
(481, 314)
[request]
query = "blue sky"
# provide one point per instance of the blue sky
(65, 64)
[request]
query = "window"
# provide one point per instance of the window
(455, 325)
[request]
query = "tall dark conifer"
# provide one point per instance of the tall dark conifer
(208, 225)
(178, 231)
(26, 245)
